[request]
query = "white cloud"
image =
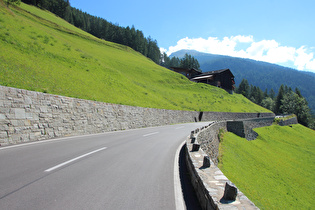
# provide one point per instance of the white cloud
(303, 58)
(243, 39)
(265, 50)
(311, 65)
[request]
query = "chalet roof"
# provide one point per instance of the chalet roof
(216, 72)
(185, 69)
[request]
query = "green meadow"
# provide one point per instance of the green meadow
(42, 52)
(275, 171)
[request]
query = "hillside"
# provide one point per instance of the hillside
(42, 52)
(258, 73)
(275, 171)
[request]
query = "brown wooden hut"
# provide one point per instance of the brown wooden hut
(220, 78)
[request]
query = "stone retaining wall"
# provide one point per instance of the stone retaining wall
(244, 128)
(209, 140)
(31, 116)
(207, 179)
(290, 121)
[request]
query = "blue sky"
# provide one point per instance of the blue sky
(276, 31)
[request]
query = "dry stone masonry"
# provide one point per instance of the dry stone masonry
(31, 116)
(213, 188)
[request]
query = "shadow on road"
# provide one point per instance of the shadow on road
(189, 194)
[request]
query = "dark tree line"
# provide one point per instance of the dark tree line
(286, 101)
(187, 62)
(101, 28)
(8, 2)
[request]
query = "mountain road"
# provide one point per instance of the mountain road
(132, 169)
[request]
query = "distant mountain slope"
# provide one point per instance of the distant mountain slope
(258, 73)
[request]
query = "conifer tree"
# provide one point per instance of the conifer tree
(244, 88)
(278, 102)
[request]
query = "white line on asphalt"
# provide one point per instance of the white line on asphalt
(74, 159)
(179, 199)
(180, 127)
(150, 134)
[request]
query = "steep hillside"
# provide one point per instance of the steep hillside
(42, 52)
(275, 171)
(261, 74)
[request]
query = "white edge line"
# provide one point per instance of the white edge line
(179, 199)
(72, 137)
(180, 127)
(74, 159)
(150, 134)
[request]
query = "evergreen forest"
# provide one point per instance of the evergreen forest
(285, 102)
(101, 28)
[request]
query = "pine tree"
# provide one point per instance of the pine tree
(272, 94)
(278, 102)
(297, 91)
(244, 88)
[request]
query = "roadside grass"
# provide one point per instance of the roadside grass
(275, 171)
(42, 52)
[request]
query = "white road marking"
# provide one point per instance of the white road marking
(150, 134)
(180, 127)
(179, 199)
(74, 159)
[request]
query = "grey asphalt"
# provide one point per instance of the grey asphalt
(131, 169)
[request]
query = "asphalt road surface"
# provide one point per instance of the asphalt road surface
(133, 169)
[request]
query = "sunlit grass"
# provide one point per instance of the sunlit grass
(42, 52)
(275, 171)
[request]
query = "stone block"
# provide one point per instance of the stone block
(2, 117)
(17, 123)
(193, 139)
(45, 115)
(27, 99)
(27, 122)
(195, 147)
(19, 113)
(230, 191)
(206, 162)
(3, 135)
(43, 109)
(29, 115)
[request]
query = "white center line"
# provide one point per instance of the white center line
(74, 159)
(149, 134)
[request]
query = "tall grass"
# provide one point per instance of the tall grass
(275, 171)
(42, 52)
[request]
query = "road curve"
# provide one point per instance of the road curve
(131, 169)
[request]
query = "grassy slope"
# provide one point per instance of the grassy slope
(42, 52)
(276, 171)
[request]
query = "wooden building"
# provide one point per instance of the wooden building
(189, 73)
(221, 78)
